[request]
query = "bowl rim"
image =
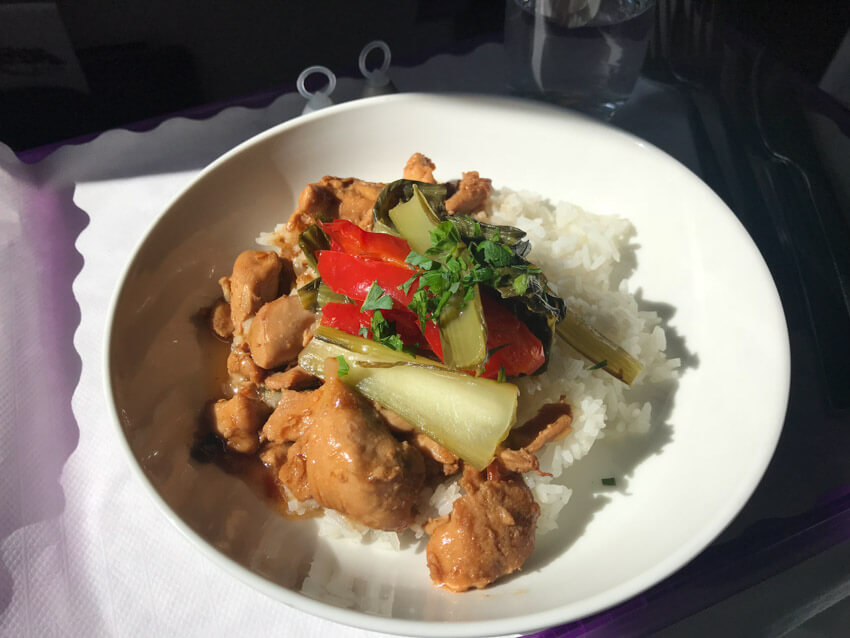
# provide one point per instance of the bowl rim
(434, 628)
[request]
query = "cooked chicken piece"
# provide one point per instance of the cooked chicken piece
(419, 168)
(394, 422)
(238, 420)
(489, 533)
(296, 378)
(330, 198)
(290, 418)
(293, 474)
(518, 460)
(242, 366)
(273, 455)
(220, 319)
(472, 193)
(279, 331)
(354, 465)
(224, 283)
(551, 423)
(433, 450)
(255, 281)
(429, 448)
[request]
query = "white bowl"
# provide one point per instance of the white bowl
(685, 482)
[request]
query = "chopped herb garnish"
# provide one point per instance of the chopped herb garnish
(444, 240)
(496, 255)
(493, 351)
(420, 261)
(405, 287)
(521, 284)
(363, 332)
(419, 305)
(501, 377)
(384, 332)
(609, 481)
(376, 299)
(599, 365)
(342, 367)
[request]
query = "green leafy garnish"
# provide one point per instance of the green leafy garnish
(494, 254)
(521, 284)
(342, 368)
(420, 261)
(609, 481)
(384, 332)
(445, 241)
(376, 299)
(599, 365)
(501, 377)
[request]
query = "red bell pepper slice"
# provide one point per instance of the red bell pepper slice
(349, 318)
(522, 352)
(353, 276)
(349, 238)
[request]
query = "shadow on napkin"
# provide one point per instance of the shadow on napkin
(39, 315)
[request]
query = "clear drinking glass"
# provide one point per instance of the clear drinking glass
(586, 54)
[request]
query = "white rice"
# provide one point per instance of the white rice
(580, 253)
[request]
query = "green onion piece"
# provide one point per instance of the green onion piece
(308, 294)
(317, 294)
(312, 240)
(596, 347)
(609, 481)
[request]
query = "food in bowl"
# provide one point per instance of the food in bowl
(400, 364)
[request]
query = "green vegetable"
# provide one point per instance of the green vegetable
(376, 299)
(601, 351)
(316, 294)
(384, 332)
(443, 262)
(467, 415)
(609, 481)
(311, 241)
(342, 368)
(499, 256)
(400, 191)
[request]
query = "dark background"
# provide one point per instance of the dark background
(147, 58)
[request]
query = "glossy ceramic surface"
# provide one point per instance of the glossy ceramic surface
(716, 429)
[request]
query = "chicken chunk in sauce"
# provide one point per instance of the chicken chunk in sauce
(420, 169)
(472, 194)
(279, 331)
(347, 460)
(255, 281)
(330, 198)
(489, 533)
(238, 421)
